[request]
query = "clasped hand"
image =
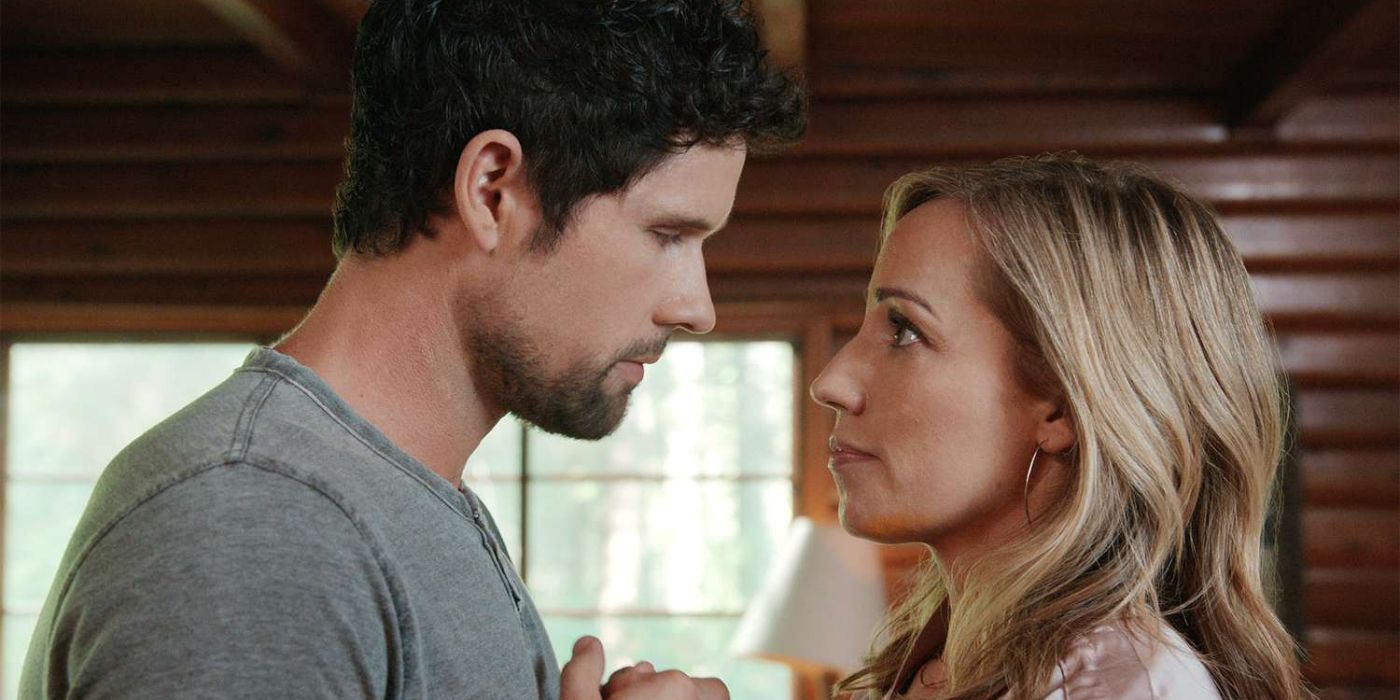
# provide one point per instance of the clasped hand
(582, 678)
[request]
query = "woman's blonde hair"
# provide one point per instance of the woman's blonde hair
(1129, 304)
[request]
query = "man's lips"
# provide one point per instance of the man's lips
(633, 368)
(843, 453)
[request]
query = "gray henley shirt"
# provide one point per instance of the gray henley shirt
(267, 542)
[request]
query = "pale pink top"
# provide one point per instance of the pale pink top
(1108, 663)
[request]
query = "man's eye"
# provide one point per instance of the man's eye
(666, 238)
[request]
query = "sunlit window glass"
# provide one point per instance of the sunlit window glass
(72, 407)
(655, 538)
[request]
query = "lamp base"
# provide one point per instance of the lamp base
(813, 683)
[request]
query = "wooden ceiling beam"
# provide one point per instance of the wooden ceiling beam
(349, 11)
(305, 38)
(783, 24)
(1292, 302)
(185, 76)
(780, 245)
(1235, 182)
(884, 82)
(935, 128)
(175, 132)
(1311, 44)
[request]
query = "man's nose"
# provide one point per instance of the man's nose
(691, 308)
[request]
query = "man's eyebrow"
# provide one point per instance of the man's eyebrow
(683, 222)
(884, 293)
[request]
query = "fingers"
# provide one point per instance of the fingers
(582, 676)
(711, 689)
(627, 676)
(666, 685)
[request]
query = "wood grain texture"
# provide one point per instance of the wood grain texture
(1355, 658)
(1352, 598)
(1337, 692)
(1352, 538)
(790, 186)
(172, 133)
(1351, 477)
(217, 75)
(1312, 43)
(303, 37)
(158, 186)
(1330, 242)
(1341, 359)
(1354, 418)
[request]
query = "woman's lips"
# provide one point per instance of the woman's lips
(843, 454)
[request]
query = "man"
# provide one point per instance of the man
(528, 186)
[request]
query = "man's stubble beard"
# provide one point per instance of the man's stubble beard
(511, 372)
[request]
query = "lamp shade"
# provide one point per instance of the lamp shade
(820, 604)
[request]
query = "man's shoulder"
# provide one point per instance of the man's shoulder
(240, 501)
(204, 431)
(251, 512)
(265, 575)
(196, 477)
(254, 419)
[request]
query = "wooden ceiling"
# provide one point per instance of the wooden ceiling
(1257, 60)
(1159, 46)
(120, 24)
(169, 165)
(150, 145)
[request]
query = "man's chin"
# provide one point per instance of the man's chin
(611, 421)
(596, 422)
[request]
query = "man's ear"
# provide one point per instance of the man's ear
(490, 189)
(1055, 433)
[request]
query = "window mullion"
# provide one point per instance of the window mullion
(6, 342)
(525, 503)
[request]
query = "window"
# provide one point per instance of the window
(652, 539)
(72, 406)
(655, 538)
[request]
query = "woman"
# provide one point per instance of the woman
(1063, 387)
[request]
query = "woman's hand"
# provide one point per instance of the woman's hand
(582, 676)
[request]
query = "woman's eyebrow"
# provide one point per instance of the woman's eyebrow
(883, 293)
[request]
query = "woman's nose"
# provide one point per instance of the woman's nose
(836, 387)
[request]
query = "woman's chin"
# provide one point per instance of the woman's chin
(859, 524)
(880, 528)
(850, 522)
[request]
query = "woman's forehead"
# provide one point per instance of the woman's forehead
(929, 248)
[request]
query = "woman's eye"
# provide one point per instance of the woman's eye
(904, 332)
(905, 336)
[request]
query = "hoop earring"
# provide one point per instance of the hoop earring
(1026, 491)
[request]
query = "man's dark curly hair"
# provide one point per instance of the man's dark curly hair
(598, 92)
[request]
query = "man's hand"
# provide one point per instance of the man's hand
(582, 676)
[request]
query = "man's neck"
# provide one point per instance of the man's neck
(392, 352)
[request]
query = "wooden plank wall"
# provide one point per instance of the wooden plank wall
(153, 192)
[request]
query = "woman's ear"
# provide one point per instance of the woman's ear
(1055, 433)
(490, 190)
